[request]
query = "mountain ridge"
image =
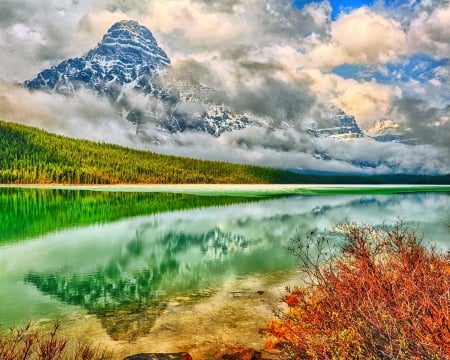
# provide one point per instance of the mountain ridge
(128, 58)
(128, 64)
(128, 54)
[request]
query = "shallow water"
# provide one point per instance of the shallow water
(121, 257)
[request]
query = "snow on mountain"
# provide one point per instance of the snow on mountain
(344, 126)
(389, 131)
(382, 126)
(127, 61)
(127, 57)
(130, 68)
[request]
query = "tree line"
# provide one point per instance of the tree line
(32, 156)
(29, 155)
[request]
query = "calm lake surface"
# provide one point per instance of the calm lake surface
(117, 254)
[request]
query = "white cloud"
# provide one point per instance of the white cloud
(93, 26)
(195, 21)
(430, 33)
(367, 101)
(85, 116)
(360, 37)
(95, 120)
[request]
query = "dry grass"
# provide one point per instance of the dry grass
(27, 343)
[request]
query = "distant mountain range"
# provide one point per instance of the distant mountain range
(128, 62)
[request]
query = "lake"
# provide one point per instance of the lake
(122, 254)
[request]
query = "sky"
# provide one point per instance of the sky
(386, 62)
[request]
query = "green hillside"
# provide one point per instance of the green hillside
(29, 155)
(32, 156)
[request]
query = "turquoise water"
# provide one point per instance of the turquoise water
(111, 254)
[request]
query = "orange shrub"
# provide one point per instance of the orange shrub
(380, 295)
(26, 343)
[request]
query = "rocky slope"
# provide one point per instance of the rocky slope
(343, 127)
(128, 57)
(129, 60)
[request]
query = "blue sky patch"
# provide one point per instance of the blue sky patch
(338, 6)
(418, 67)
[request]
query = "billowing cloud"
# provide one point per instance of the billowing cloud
(288, 147)
(430, 32)
(85, 116)
(367, 101)
(291, 149)
(360, 37)
(429, 124)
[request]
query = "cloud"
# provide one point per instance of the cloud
(429, 124)
(85, 116)
(430, 33)
(185, 28)
(368, 101)
(194, 21)
(92, 27)
(285, 148)
(360, 37)
(288, 148)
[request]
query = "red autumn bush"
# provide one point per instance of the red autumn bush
(26, 343)
(381, 294)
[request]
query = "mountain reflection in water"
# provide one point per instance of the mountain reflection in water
(125, 271)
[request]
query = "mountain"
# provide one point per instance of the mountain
(389, 131)
(129, 60)
(343, 126)
(135, 74)
(127, 57)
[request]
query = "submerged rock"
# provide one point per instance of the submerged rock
(243, 354)
(158, 356)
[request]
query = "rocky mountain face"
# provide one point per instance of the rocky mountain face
(344, 127)
(128, 62)
(128, 57)
(389, 131)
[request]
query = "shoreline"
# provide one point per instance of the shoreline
(239, 189)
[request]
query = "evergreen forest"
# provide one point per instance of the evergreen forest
(32, 156)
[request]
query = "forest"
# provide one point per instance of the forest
(32, 156)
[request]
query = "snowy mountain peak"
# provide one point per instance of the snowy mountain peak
(344, 126)
(127, 61)
(127, 55)
(130, 43)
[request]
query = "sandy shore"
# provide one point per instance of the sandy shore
(232, 316)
